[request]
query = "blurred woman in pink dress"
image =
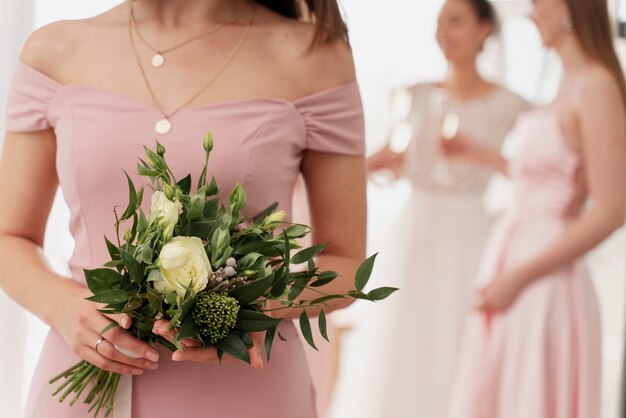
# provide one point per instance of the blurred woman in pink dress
(434, 247)
(533, 346)
(88, 95)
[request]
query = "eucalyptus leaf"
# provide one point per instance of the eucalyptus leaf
(381, 293)
(269, 340)
(250, 292)
(364, 272)
(323, 299)
(305, 255)
(297, 231)
(321, 321)
(234, 346)
(305, 327)
(252, 321)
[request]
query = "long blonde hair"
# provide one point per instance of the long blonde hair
(592, 27)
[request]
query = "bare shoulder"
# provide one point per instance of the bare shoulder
(318, 68)
(50, 47)
(596, 83)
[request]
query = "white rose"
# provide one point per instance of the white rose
(183, 264)
(165, 211)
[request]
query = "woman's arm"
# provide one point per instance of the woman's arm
(386, 159)
(28, 184)
(602, 125)
(601, 114)
(466, 149)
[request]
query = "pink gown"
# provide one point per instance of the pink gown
(258, 142)
(541, 358)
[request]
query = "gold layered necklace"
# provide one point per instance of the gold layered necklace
(164, 125)
(158, 57)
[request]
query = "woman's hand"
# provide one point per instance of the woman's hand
(193, 350)
(386, 159)
(464, 148)
(460, 147)
(80, 323)
(500, 293)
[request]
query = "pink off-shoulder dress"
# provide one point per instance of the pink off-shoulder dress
(259, 142)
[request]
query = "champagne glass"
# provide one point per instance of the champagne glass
(446, 125)
(401, 129)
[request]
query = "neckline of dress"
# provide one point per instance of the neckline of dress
(292, 103)
(485, 97)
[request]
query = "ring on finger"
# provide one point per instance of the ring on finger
(100, 340)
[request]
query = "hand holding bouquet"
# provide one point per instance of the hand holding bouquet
(199, 263)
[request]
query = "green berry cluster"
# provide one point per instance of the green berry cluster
(215, 314)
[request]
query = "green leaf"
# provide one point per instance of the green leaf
(109, 327)
(267, 248)
(234, 346)
(213, 189)
(133, 267)
(102, 279)
(237, 200)
(269, 341)
(280, 285)
(110, 296)
(252, 321)
(154, 299)
(305, 327)
(297, 231)
(299, 284)
(201, 229)
(323, 299)
(185, 184)
(188, 329)
(364, 272)
(321, 320)
(305, 255)
(219, 241)
(248, 260)
(196, 207)
(132, 199)
(146, 253)
(359, 295)
(113, 250)
(381, 293)
(259, 218)
(250, 292)
(324, 278)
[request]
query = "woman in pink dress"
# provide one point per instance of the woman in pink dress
(532, 348)
(88, 95)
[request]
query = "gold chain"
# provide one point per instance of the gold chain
(168, 115)
(180, 45)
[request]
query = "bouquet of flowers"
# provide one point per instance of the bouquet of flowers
(206, 268)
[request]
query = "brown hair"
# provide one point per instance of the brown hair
(329, 24)
(591, 24)
(484, 11)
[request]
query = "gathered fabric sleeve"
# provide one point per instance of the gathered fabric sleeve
(334, 120)
(29, 98)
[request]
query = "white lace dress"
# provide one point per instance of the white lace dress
(432, 254)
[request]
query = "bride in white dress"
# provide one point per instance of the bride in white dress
(434, 249)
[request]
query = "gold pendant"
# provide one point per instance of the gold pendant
(157, 60)
(163, 126)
